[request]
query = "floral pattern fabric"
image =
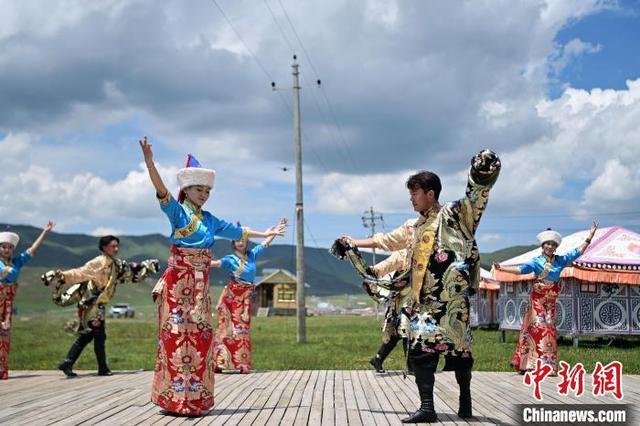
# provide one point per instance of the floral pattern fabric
(184, 373)
(538, 335)
(7, 295)
(233, 338)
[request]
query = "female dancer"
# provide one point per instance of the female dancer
(9, 273)
(538, 335)
(233, 338)
(183, 379)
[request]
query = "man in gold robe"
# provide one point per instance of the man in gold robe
(445, 270)
(91, 286)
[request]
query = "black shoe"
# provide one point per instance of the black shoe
(376, 363)
(465, 412)
(421, 416)
(105, 373)
(66, 369)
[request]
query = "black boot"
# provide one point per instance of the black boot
(463, 377)
(99, 349)
(425, 378)
(383, 352)
(74, 352)
(65, 367)
(376, 363)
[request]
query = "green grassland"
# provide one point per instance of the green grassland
(333, 342)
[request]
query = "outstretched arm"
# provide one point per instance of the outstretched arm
(269, 232)
(508, 269)
(280, 227)
(36, 244)
(161, 189)
(398, 239)
(215, 264)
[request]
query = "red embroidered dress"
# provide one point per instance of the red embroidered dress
(9, 273)
(184, 372)
(538, 335)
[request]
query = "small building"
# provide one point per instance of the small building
(483, 303)
(600, 293)
(276, 291)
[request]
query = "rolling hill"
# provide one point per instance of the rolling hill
(325, 275)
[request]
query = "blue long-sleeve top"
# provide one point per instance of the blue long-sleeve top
(192, 227)
(537, 264)
(242, 267)
(10, 271)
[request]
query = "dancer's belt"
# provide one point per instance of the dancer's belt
(190, 258)
(238, 281)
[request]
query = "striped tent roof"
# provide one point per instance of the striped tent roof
(613, 257)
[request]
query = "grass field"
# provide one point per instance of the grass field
(333, 342)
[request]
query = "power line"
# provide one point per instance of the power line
(284, 36)
(314, 96)
(246, 46)
(331, 112)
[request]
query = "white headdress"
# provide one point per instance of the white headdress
(549, 235)
(9, 237)
(190, 176)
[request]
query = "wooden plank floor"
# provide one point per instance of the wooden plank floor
(317, 397)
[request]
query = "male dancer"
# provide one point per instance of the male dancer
(91, 287)
(445, 270)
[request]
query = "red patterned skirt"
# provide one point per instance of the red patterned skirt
(7, 295)
(184, 372)
(538, 335)
(233, 338)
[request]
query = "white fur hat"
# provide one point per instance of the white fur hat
(549, 235)
(190, 176)
(9, 237)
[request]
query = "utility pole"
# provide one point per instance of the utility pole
(301, 310)
(369, 218)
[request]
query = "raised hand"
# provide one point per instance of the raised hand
(146, 150)
(49, 226)
(486, 162)
(594, 227)
(281, 226)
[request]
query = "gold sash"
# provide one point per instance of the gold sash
(422, 252)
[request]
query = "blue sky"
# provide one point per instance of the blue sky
(552, 86)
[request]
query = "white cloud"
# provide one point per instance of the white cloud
(413, 85)
(489, 238)
(103, 230)
(594, 140)
(570, 51)
(38, 194)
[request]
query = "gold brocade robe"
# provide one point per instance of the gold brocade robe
(93, 285)
(445, 262)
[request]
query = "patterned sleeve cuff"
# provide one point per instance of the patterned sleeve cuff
(245, 233)
(164, 200)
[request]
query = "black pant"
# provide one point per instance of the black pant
(99, 336)
(386, 348)
(430, 360)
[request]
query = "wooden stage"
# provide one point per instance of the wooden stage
(275, 397)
